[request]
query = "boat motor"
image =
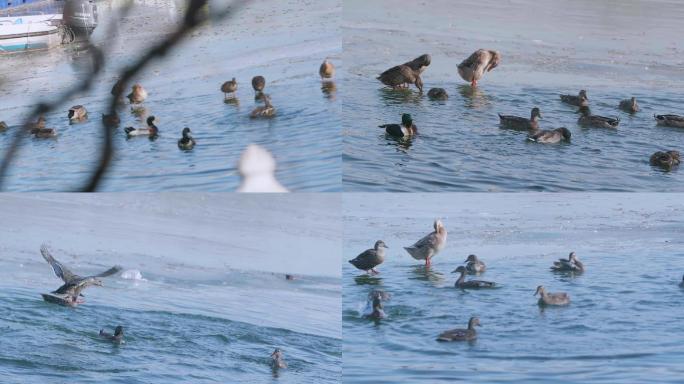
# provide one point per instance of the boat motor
(80, 16)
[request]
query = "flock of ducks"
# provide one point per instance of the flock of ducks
(429, 246)
(473, 68)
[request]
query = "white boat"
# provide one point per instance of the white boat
(20, 33)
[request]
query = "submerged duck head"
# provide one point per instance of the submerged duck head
(118, 331)
(535, 114)
(470, 258)
(380, 244)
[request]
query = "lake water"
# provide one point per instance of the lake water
(213, 301)
(622, 325)
(283, 41)
(613, 49)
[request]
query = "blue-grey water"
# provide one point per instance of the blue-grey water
(283, 41)
(612, 49)
(622, 325)
(210, 306)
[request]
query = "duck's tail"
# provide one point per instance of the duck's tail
(128, 130)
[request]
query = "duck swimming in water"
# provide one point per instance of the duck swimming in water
(116, 338)
(589, 120)
(277, 360)
(670, 120)
(151, 129)
(327, 69)
(571, 264)
(267, 110)
(230, 86)
(438, 94)
(378, 312)
(430, 245)
(77, 113)
(548, 298)
(550, 136)
(521, 123)
(39, 130)
(580, 100)
(474, 265)
(476, 65)
(370, 258)
(257, 168)
(665, 160)
(73, 284)
(138, 94)
(470, 284)
(629, 105)
(258, 83)
(461, 334)
(406, 129)
(186, 142)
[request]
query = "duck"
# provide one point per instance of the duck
(229, 87)
(406, 129)
(378, 312)
(460, 334)
(257, 169)
(77, 113)
(258, 83)
(474, 265)
(379, 293)
(370, 258)
(629, 105)
(521, 123)
(666, 160)
(277, 360)
(571, 264)
(470, 284)
(400, 76)
(3, 126)
(430, 245)
(137, 95)
(39, 130)
(589, 120)
(548, 298)
(151, 129)
(116, 338)
(186, 142)
(267, 110)
(676, 121)
(550, 136)
(580, 100)
(327, 69)
(477, 64)
(438, 94)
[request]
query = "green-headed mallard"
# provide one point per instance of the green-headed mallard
(460, 334)
(470, 284)
(151, 129)
(438, 94)
(548, 298)
(327, 69)
(77, 113)
(521, 123)
(589, 120)
(474, 265)
(670, 120)
(267, 110)
(665, 159)
(430, 245)
(571, 264)
(579, 100)
(550, 136)
(629, 105)
(370, 258)
(229, 87)
(476, 65)
(186, 142)
(258, 83)
(138, 94)
(407, 128)
(116, 338)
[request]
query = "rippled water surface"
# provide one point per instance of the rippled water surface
(614, 50)
(621, 326)
(283, 41)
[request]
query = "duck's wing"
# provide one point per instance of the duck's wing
(60, 270)
(364, 260)
(429, 241)
(479, 57)
(395, 76)
(111, 271)
(452, 334)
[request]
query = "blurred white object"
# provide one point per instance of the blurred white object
(132, 274)
(257, 168)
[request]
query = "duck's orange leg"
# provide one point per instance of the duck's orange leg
(473, 83)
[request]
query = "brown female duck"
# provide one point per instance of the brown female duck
(258, 83)
(596, 121)
(629, 105)
(267, 110)
(430, 245)
(370, 258)
(548, 298)
(138, 94)
(470, 284)
(521, 123)
(476, 65)
(39, 130)
(676, 121)
(230, 86)
(666, 160)
(474, 265)
(580, 100)
(438, 94)
(571, 264)
(327, 69)
(461, 334)
(550, 136)
(400, 76)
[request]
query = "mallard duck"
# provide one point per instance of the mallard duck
(77, 113)
(277, 360)
(474, 67)
(430, 245)
(229, 87)
(377, 312)
(407, 128)
(186, 142)
(474, 265)
(460, 334)
(589, 120)
(257, 168)
(548, 298)
(3, 126)
(400, 76)
(571, 264)
(267, 110)
(550, 136)
(666, 160)
(580, 100)
(116, 338)
(258, 83)
(470, 284)
(151, 129)
(39, 130)
(521, 123)
(327, 69)
(370, 258)
(137, 95)
(438, 94)
(670, 120)
(111, 120)
(629, 105)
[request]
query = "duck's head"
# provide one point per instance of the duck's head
(535, 114)
(461, 269)
(423, 60)
(494, 62)
(470, 258)
(565, 133)
(118, 331)
(540, 291)
(380, 244)
(137, 88)
(572, 256)
(406, 120)
(150, 121)
(277, 354)
(474, 321)
(633, 101)
(583, 94)
(674, 155)
(438, 225)
(187, 133)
